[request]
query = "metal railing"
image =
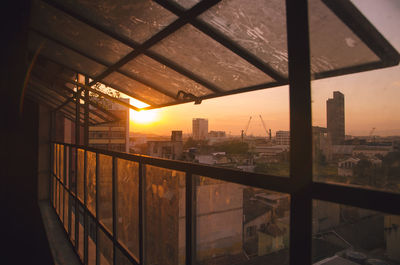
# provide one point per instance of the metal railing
(94, 222)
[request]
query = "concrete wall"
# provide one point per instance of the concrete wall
(219, 220)
(392, 236)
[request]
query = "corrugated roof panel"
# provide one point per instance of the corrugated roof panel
(76, 34)
(64, 56)
(210, 60)
(135, 20)
(259, 27)
(154, 72)
(136, 89)
(332, 44)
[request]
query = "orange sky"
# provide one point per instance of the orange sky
(371, 98)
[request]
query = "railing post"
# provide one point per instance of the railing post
(77, 116)
(97, 209)
(300, 131)
(85, 220)
(114, 206)
(69, 193)
(142, 213)
(190, 219)
(86, 123)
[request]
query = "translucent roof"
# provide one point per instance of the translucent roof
(167, 52)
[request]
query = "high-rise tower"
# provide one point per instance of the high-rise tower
(200, 129)
(335, 118)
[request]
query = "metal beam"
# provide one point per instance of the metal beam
(115, 87)
(227, 43)
(171, 28)
(83, 86)
(300, 132)
(368, 34)
(226, 93)
(38, 84)
(133, 45)
(99, 61)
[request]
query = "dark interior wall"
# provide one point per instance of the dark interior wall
(23, 236)
(23, 239)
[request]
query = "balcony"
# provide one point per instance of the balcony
(121, 208)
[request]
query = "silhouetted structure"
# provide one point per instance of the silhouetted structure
(335, 118)
(200, 129)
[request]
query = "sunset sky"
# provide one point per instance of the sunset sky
(372, 99)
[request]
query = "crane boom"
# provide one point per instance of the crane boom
(265, 128)
(247, 126)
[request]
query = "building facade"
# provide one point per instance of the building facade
(167, 149)
(335, 118)
(200, 129)
(112, 136)
(282, 138)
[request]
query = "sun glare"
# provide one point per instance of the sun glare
(144, 116)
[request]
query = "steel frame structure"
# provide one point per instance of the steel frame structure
(300, 185)
(344, 9)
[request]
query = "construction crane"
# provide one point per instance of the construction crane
(370, 138)
(265, 128)
(244, 132)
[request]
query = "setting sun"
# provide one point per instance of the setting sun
(144, 116)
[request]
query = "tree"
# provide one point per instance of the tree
(233, 147)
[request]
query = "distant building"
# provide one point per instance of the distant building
(335, 118)
(216, 136)
(282, 138)
(167, 149)
(112, 136)
(200, 129)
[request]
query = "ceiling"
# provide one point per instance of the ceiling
(167, 52)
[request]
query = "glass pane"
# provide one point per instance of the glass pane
(81, 243)
(136, 20)
(259, 27)
(136, 89)
(57, 201)
(236, 223)
(105, 247)
(332, 44)
(165, 216)
(91, 241)
(54, 191)
(121, 259)
(156, 73)
(72, 170)
(76, 34)
(66, 165)
(80, 175)
(64, 56)
(55, 159)
(66, 207)
(73, 220)
(105, 191)
(61, 211)
(350, 235)
(61, 157)
(128, 206)
(91, 181)
(205, 57)
(356, 130)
